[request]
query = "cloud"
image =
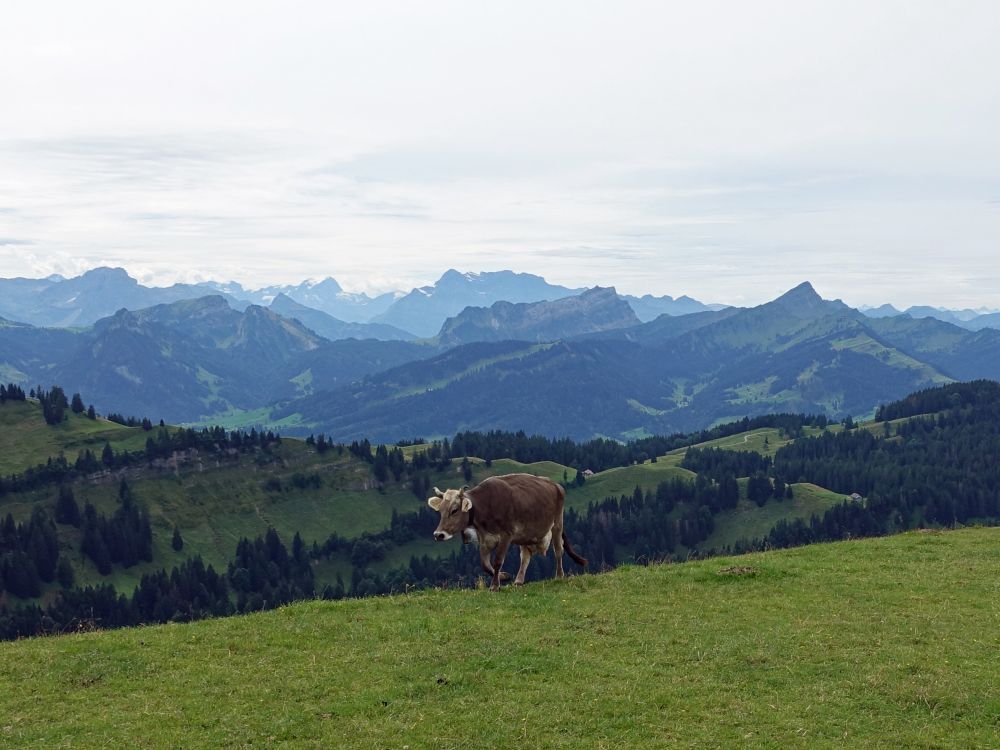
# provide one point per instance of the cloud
(646, 146)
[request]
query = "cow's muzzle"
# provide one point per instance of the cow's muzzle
(442, 536)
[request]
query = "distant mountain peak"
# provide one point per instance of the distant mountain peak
(596, 309)
(882, 311)
(804, 300)
(452, 276)
(804, 292)
(107, 272)
(208, 302)
(329, 284)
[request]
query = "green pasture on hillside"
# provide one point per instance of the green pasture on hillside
(26, 440)
(890, 642)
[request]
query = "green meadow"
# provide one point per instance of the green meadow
(890, 642)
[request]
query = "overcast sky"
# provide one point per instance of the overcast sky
(724, 150)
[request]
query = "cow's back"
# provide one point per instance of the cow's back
(513, 503)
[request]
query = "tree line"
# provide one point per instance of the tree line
(602, 453)
(161, 445)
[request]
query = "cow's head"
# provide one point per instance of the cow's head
(454, 507)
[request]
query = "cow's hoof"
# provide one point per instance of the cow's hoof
(518, 583)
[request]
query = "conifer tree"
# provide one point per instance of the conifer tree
(65, 574)
(67, 511)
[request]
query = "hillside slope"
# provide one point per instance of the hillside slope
(26, 440)
(887, 642)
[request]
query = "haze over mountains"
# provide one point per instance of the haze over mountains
(85, 299)
(552, 360)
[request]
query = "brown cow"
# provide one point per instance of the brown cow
(517, 509)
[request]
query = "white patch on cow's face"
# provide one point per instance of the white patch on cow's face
(442, 536)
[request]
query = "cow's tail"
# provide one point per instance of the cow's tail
(581, 561)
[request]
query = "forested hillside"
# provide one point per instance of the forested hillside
(194, 523)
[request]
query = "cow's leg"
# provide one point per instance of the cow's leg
(484, 558)
(501, 554)
(525, 559)
(557, 547)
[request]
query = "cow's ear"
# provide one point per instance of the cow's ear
(434, 502)
(466, 503)
(438, 492)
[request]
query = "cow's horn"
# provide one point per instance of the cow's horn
(462, 491)
(438, 492)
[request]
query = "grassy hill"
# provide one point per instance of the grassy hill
(748, 521)
(215, 504)
(872, 643)
(26, 440)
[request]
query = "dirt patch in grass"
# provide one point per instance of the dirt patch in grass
(739, 570)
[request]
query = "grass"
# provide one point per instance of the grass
(754, 440)
(622, 480)
(748, 521)
(874, 643)
(245, 419)
(26, 440)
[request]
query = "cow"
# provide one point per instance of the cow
(517, 509)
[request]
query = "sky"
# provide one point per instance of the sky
(718, 149)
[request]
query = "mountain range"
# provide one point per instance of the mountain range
(973, 320)
(798, 353)
(190, 359)
(325, 295)
(581, 364)
(83, 300)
